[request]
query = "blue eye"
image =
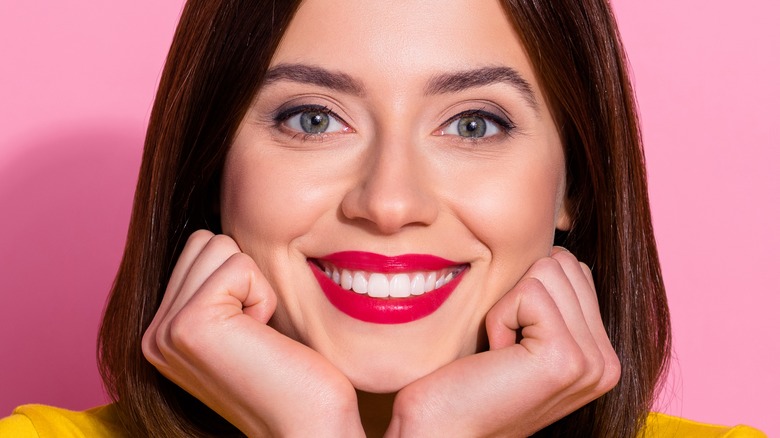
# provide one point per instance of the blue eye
(312, 120)
(474, 125)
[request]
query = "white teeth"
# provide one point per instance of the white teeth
(346, 280)
(359, 283)
(430, 281)
(418, 284)
(378, 286)
(400, 286)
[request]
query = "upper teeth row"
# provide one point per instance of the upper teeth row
(398, 285)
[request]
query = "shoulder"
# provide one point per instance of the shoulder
(46, 421)
(666, 426)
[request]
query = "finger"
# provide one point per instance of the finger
(563, 255)
(237, 287)
(527, 307)
(556, 249)
(203, 259)
(588, 274)
(212, 334)
(216, 251)
(581, 279)
(192, 249)
(582, 288)
(511, 382)
(551, 274)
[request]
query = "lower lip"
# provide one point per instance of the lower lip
(384, 310)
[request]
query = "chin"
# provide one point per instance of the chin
(383, 344)
(382, 378)
(385, 364)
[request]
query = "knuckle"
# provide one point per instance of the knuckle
(536, 291)
(244, 266)
(160, 340)
(576, 368)
(568, 367)
(149, 347)
(595, 371)
(565, 257)
(414, 406)
(586, 271)
(200, 236)
(612, 371)
(243, 262)
(492, 320)
(181, 332)
(546, 264)
(531, 291)
(224, 242)
(531, 287)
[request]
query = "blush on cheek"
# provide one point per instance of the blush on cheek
(527, 208)
(260, 200)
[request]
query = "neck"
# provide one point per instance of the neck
(375, 412)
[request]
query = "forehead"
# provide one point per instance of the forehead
(394, 40)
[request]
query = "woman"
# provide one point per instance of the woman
(340, 203)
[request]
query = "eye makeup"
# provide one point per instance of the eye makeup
(475, 125)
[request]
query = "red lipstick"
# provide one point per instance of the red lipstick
(367, 261)
(386, 310)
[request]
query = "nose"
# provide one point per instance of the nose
(393, 191)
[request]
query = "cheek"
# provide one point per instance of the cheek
(266, 205)
(513, 206)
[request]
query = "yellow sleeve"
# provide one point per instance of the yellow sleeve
(38, 421)
(666, 426)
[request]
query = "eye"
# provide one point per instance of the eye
(475, 124)
(312, 120)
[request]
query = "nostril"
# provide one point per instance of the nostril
(392, 193)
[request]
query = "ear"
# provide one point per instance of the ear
(563, 219)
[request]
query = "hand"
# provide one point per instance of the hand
(563, 361)
(210, 336)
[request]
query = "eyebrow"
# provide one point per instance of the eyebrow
(309, 74)
(439, 84)
(462, 80)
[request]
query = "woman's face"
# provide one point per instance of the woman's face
(396, 148)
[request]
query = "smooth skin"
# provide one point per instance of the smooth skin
(244, 326)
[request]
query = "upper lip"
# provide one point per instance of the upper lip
(367, 261)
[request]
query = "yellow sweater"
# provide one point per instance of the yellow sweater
(38, 421)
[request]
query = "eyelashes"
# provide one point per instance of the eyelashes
(476, 124)
(311, 121)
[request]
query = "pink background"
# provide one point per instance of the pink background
(77, 80)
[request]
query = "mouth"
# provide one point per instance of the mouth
(386, 290)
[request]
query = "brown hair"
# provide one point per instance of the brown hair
(576, 50)
(216, 64)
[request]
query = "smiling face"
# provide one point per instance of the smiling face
(394, 150)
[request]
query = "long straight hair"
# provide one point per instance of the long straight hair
(576, 50)
(217, 61)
